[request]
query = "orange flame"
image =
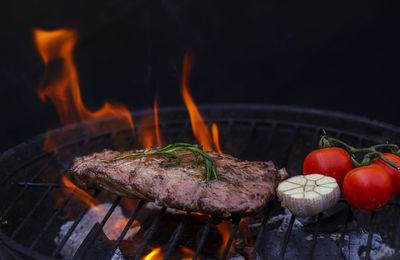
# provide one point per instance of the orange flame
(189, 253)
(225, 228)
(149, 135)
(155, 254)
(82, 195)
(200, 129)
(146, 131)
(157, 126)
(215, 136)
(56, 49)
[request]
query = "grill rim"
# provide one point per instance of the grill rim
(21, 249)
(172, 109)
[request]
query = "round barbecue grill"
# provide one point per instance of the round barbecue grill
(31, 216)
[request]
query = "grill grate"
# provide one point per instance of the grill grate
(284, 141)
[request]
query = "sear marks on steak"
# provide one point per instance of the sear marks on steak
(242, 188)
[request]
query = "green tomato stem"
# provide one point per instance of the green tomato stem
(370, 153)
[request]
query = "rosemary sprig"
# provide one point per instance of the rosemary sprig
(211, 167)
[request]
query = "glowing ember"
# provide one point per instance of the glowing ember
(200, 129)
(215, 136)
(155, 254)
(189, 253)
(56, 49)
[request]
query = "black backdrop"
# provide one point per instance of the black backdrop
(326, 54)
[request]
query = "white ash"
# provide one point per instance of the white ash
(237, 257)
(354, 240)
(285, 218)
(112, 229)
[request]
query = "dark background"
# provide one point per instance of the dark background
(326, 54)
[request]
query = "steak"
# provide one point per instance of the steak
(242, 188)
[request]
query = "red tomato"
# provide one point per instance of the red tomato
(367, 188)
(395, 174)
(334, 162)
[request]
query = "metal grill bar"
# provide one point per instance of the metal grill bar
(261, 231)
(290, 147)
(74, 225)
(286, 238)
(270, 136)
(343, 232)
(41, 184)
(176, 236)
(236, 223)
(80, 254)
(149, 235)
(397, 234)
(126, 228)
(348, 214)
(315, 138)
(50, 221)
(315, 234)
(248, 137)
(21, 192)
(25, 166)
(203, 237)
(370, 233)
(223, 137)
(37, 204)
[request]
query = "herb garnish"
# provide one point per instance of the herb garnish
(211, 167)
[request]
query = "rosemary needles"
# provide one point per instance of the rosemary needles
(211, 167)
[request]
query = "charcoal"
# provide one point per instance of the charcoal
(298, 247)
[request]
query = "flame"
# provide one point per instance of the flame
(146, 131)
(56, 50)
(157, 126)
(225, 228)
(155, 254)
(149, 135)
(82, 195)
(200, 129)
(215, 136)
(189, 253)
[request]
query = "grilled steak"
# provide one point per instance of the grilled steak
(242, 188)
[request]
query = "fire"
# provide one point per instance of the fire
(146, 131)
(82, 195)
(225, 228)
(149, 135)
(157, 125)
(200, 129)
(155, 254)
(215, 136)
(56, 49)
(189, 253)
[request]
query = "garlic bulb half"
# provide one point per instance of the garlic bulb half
(308, 195)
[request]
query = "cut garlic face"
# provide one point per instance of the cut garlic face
(308, 195)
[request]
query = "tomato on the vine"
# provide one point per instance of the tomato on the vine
(394, 173)
(367, 188)
(334, 162)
